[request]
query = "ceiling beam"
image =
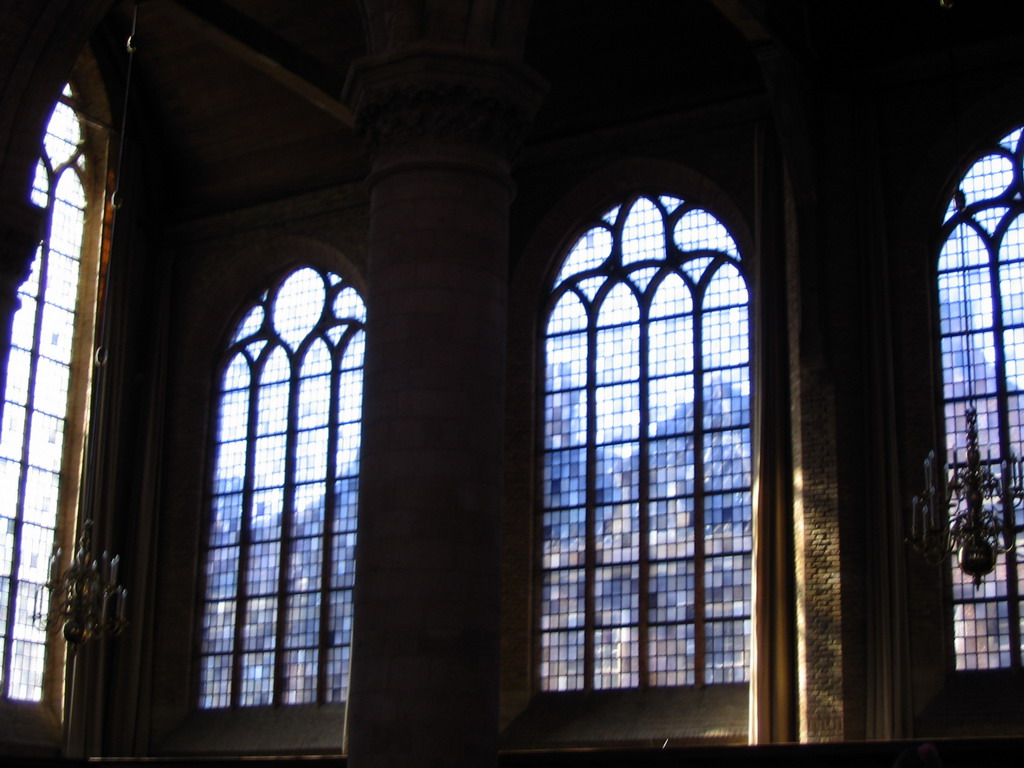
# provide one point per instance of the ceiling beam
(745, 19)
(269, 53)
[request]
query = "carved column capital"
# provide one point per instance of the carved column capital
(446, 97)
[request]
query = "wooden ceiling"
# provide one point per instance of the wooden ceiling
(242, 99)
(239, 101)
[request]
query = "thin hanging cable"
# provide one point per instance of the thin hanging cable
(116, 200)
(959, 205)
(94, 436)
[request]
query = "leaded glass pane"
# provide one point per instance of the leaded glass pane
(987, 179)
(300, 673)
(287, 451)
(565, 538)
(589, 252)
(562, 661)
(672, 650)
(727, 657)
(63, 135)
(643, 234)
(699, 230)
(646, 432)
(569, 314)
(616, 658)
(298, 306)
(670, 346)
(566, 361)
(36, 407)
(979, 282)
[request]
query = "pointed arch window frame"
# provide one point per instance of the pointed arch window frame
(339, 327)
(979, 265)
(569, 578)
(75, 227)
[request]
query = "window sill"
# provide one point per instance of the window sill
(28, 729)
(305, 730)
(654, 717)
(975, 703)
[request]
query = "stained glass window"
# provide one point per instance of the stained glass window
(980, 282)
(646, 480)
(34, 452)
(277, 607)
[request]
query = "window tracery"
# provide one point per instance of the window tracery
(980, 285)
(277, 605)
(646, 481)
(38, 461)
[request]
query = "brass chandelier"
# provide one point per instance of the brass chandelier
(967, 510)
(86, 600)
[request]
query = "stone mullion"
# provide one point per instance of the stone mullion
(245, 527)
(327, 535)
(699, 602)
(287, 542)
(590, 548)
(643, 503)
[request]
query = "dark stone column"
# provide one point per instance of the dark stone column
(425, 658)
(21, 230)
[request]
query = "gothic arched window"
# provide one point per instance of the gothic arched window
(44, 405)
(980, 281)
(277, 607)
(646, 482)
